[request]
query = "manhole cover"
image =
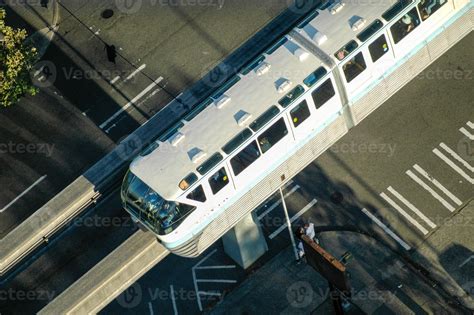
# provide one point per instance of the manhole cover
(337, 197)
(107, 14)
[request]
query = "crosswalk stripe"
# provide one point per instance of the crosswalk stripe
(386, 229)
(456, 156)
(412, 207)
(446, 204)
(437, 184)
(403, 213)
(466, 133)
(470, 124)
(453, 166)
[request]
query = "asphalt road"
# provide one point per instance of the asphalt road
(87, 104)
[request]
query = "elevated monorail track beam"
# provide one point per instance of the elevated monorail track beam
(110, 277)
(76, 197)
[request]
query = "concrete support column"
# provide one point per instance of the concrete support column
(245, 243)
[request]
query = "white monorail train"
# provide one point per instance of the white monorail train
(276, 116)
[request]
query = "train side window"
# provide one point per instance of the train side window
(272, 135)
(405, 25)
(315, 76)
(218, 181)
(245, 158)
(264, 118)
(378, 48)
(197, 194)
(235, 142)
(300, 113)
(323, 93)
(210, 163)
(354, 67)
(428, 7)
(188, 181)
(286, 100)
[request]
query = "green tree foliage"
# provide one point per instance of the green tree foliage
(16, 61)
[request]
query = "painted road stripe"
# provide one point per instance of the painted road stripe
(466, 133)
(466, 261)
(276, 203)
(150, 308)
(133, 101)
(457, 157)
(386, 229)
(175, 308)
(193, 269)
(209, 293)
(216, 280)
(453, 166)
(437, 184)
(23, 193)
(217, 267)
(446, 204)
(412, 207)
(470, 124)
(115, 79)
(403, 213)
(143, 66)
(296, 216)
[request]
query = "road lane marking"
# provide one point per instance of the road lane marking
(115, 79)
(131, 75)
(412, 207)
(217, 280)
(403, 213)
(277, 203)
(150, 308)
(296, 216)
(466, 133)
(386, 229)
(452, 165)
(470, 124)
(23, 193)
(209, 293)
(133, 101)
(437, 184)
(217, 267)
(466, 261)
(457, 157)
(446, 204)
(173, 300)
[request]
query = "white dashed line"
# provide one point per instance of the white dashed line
(143, 66)
(133, 101)
(470, 124)
(412, 207)
(23, 193)
(173, 300)
(466, 261)
(404, 213)
(296, 216)
(277, 203)
(216, 280)
(115, 79)
(216, 267)
(446, 204)
(209, 293)
(386, 229)
(457, 157)
(453, 166)
(437, 184)
(466, 133)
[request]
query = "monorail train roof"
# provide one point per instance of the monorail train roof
(211, 129)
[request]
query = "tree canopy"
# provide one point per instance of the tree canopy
(16, 61)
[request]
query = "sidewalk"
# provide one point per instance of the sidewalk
(381, 283)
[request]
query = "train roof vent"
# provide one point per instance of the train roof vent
(319, 38)
(336, 7)
(224, 100)
(197, 155)
(263, 68)
(176, 138)
(283, 86)
(301, 54)
(242, 117)
(358, 23)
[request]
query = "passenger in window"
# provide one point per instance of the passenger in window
(428, 7)
(341, 54)
(264, 144)
(408, 23)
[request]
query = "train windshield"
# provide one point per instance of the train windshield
(161, 215)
